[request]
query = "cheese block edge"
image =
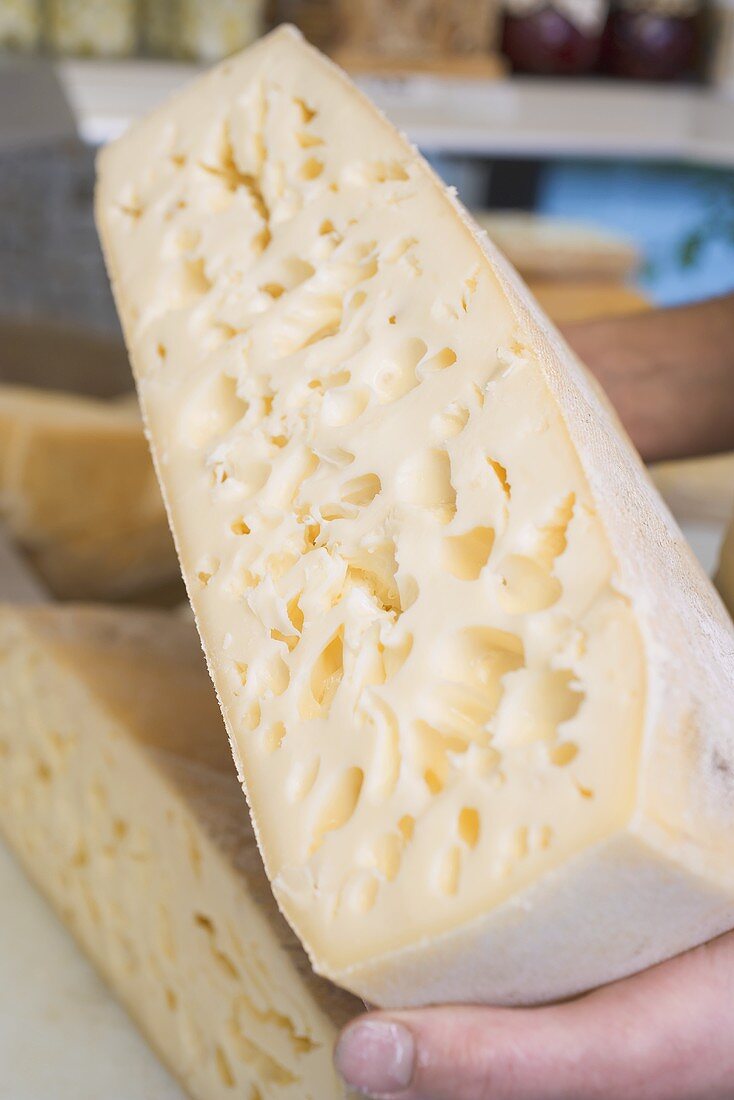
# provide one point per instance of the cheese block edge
(101, 779)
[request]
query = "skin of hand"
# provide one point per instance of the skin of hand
(664, 1034)
(669, 373)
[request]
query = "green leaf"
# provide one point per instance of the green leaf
(691, 248)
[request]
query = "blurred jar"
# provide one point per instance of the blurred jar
(472, 27)
(315, 18)
(210, 29)
(655, 39)
(159, 27)
(413, 28)
(554, 37)
(96, 28)
(20, 24)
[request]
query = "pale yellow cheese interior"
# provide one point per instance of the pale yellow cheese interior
(78, 493)
(118, 794)
(433, 688)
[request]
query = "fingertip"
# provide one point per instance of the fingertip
(376, 1056)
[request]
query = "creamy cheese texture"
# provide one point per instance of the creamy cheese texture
(430, 666)
(118, 794)
(78, 493)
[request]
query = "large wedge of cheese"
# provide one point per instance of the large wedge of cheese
(118, 793)
(78, 492)
(725, 574)
(478, 689)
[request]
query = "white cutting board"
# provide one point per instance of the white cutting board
(62, 1034)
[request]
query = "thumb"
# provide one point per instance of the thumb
(661, 1035)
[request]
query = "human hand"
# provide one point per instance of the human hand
(664, 1034)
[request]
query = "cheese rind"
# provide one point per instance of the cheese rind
(449, 621)
(118, 794)
(78, 493)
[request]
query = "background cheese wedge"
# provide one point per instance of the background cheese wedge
(119, 796)
(477, 687)
(547, 248)
(78, 493)
(725, 574)
(571, 301)
(698, 488)
(575, 271)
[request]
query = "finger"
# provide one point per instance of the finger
(665, 1034)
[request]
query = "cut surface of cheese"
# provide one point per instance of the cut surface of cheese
(118, 794)
(474, 681)
(78, 493)
(725, 573)
(547, 247)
